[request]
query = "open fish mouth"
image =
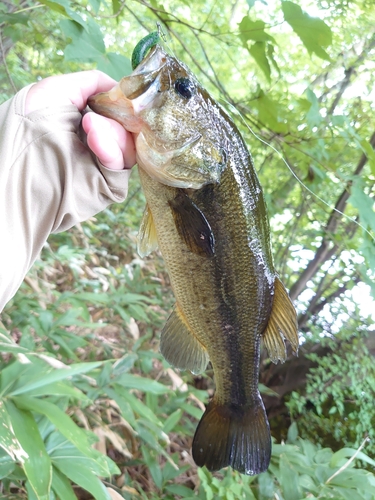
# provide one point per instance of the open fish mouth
(134, 93)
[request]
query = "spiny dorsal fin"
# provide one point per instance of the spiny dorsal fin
(147, 239)
(180, 346)
(282, 324)
(192, 225)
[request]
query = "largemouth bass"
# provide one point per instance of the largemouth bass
(206, 212)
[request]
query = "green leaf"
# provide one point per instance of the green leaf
(289, 480)
(30, 492)
(115, 65)
(179, 489)
(313, 115)
(84, 477)
(95, 4)
(345, 453)
(253, 30)
(367, 249)
(270, 113)
(61, 485)
(7, 344)
(292, 433)
(141, 383)
(87, 45)
(124, 364)
(63, 7)
(33, 457)
(153, 467)
(7, 441)
(363, 203)
(58, 389)
(172, 421)
(49, 375)
(116, 4)
(370, 153)
(266, 484)
(61, 451)
(80, 438)
(262, 49)
(258, 51)
(14, 19)
(11, 374)
(313, 32)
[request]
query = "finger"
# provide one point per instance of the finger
(86, 83)
(109, 141)
(74, 88)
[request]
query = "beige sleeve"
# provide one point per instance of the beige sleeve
(49, 181)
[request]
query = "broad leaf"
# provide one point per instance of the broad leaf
(61, 485)
(253, 30)
(115, 65)
(34, 458)
(86, 45)
(363, 203)
(80, 438)
(313, 32)
(258, 51)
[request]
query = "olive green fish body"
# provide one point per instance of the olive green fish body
(225, 298)
(206, 212)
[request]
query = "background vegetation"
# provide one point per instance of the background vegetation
(88, 407)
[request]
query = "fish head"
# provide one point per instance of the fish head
(179, 135)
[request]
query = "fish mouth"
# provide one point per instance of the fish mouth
(134, 93)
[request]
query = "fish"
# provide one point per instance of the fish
(206, 212)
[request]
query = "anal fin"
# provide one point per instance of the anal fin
(147, 239)
(282, 324)
(180, 346)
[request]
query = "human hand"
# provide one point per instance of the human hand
(107, 139)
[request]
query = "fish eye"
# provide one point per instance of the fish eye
(184, 87)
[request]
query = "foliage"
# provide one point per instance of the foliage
(338, 399)
(80, 366)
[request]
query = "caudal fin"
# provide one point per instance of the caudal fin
(238, 436)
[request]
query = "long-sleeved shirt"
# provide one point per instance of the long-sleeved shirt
(49, 181)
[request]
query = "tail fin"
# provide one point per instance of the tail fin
(238, 436)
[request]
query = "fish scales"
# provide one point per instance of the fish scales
(206, 212)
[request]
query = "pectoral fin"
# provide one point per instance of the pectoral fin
(147, 239)
(282, 324)
(180, 346)
(192, 226)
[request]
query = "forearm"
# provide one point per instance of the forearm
(48, 182)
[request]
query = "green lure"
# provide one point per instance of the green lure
(143, 46)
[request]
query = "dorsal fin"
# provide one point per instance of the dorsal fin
(282, 324)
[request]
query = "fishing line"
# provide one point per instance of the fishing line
(237, 112)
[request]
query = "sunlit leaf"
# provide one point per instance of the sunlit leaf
(47, 375)
(31, 450)
(141, 383)
(115, 65)
(313, 32)
(64, 7)
(87, 45)
(80, 438)
(363, 203)
(85, 478)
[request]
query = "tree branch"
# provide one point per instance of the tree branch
(326, 250)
